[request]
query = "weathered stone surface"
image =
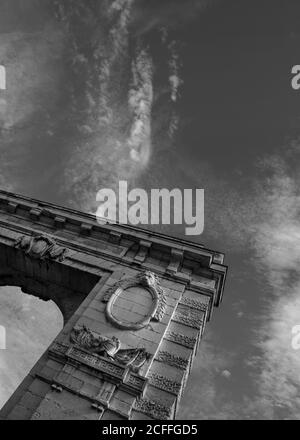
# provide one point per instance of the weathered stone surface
(135, 305)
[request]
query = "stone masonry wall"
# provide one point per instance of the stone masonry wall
(135, 307)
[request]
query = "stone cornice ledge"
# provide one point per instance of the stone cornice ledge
(179, 250)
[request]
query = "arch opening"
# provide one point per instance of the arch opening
(30, 326)
(66, 286)
(52, 292)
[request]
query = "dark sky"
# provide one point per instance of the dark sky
(226, 122)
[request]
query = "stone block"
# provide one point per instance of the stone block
(173, 285)
(120, 406)
(20, 412)
(111, 415)
(39, 388)
(139, 416)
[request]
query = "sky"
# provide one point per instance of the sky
(169, 94)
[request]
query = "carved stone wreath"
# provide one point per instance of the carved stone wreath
(150, 282)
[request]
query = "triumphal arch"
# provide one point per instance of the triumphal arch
(135, 304)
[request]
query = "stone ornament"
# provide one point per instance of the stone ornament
(164, 383)
(110, 375)
(41, 247)
(188, 318)
(110, 348)
(193, 303)
(154, 409)
(181, 339)
(172, 360)
(149, 281)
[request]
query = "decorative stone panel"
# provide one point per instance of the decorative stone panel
(149, 283)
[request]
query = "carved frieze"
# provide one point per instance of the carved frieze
(134, 358)
(164, 383)
(40, 247)
(148, 281)
(59, 349)
(97, 362)
(179, 338)
(153, 409)
(107, 369)
(190, 319)
(194, 304)
(172, 360)
(134, 384)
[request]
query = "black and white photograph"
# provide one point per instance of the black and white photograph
(149, 212)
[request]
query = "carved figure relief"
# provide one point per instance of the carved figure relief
(111, 348)
(146, 280)
(41, 246)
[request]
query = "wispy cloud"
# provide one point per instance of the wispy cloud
(140, 105)
(112, 111)
(28, 104)
(261, 225)
(174, 67)
(120, 117)
(169, 13)
(277, 246)
(211, 376)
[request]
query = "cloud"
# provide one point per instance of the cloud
(260, 225)
(149, 16)
(278, 379)
(140, 101)
(226, 374)
(268, 224)
(174, 67)
(109, 122)
(122, 105)
(31, 87)
(277, 246)
(112, 110)
(211, 377)
(30, 99)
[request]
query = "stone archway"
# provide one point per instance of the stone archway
(46, 278)
(97, 367)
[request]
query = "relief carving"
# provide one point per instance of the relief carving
(172, 360)
(193, 303)
(149, 281)
(135, 381)
(104, 365)
(164, 383)
(40, 247)
(189, 319)
(111, 348)
(179, 338)
(153, 409)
